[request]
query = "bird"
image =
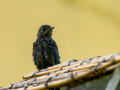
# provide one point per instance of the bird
(45, 50)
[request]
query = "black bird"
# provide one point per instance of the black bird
(45, 50)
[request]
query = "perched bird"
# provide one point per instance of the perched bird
(45, 50)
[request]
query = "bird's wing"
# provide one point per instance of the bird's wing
(37, 55)
(54, 46)
(55, 52)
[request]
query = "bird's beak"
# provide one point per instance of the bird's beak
(52, 28)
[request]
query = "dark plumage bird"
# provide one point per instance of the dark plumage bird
(45, 50)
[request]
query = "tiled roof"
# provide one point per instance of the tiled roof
(78, 71)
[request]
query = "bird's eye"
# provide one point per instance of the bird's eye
(43, 29)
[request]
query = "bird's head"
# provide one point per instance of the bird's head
(45, 30)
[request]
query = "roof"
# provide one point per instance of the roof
(77, 71)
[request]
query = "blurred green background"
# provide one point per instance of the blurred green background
(83, 29)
